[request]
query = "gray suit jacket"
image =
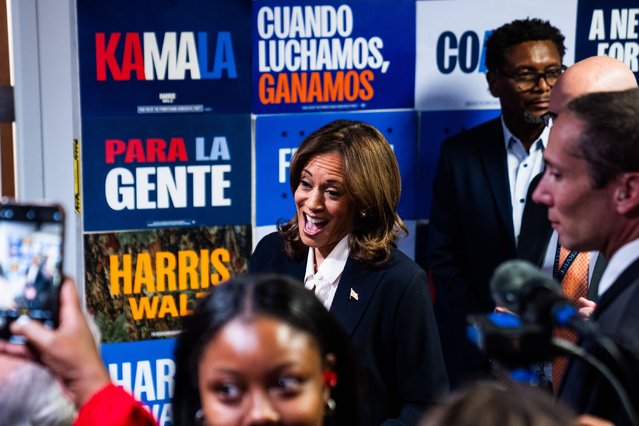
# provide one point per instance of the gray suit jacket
(584, 388)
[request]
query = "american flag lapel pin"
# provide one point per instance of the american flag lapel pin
(353, 295)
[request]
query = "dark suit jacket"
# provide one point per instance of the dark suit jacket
(392, 327)
(617, 316)
(535, 231)
(471, 232)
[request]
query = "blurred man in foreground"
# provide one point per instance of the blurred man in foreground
(579, 275)
(591, 188)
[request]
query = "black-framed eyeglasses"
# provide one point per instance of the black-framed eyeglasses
(548, 117)
(527, 80)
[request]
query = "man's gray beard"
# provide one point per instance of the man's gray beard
(531, 118)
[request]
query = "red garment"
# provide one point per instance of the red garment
(112, 406)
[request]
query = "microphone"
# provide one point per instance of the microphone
(524, 339)
(522, 288)
(537, 298)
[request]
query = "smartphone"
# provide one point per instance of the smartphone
(31, 245)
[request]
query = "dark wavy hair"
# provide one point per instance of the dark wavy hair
(520, 31)
(372, 182)
(276, 296)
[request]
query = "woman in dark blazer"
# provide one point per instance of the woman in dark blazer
(342, 245)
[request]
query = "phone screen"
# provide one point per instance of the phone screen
(31, 242)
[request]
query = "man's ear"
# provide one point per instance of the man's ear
(491, 78)
(627, 193)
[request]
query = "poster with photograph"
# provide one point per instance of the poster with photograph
(140, 284)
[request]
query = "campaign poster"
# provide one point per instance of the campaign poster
(163, 56)
(609, 28)
(166, 171)
(332, 55)
(139, 285)
(450, 68)
(147, 371)
(435, 126)
(277, 139)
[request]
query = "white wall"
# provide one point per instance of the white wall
(47, 108)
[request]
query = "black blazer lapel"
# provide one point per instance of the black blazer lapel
(296, 269)
(493, 159)
(593, 285)
(535, 230)
(354, 293)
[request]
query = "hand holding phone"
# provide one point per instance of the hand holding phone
(69, 351)
(31, 244)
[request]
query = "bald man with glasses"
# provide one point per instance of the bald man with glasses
(593, 74)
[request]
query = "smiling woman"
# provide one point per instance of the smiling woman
(356, 172)
(342, 245)
(324, 208)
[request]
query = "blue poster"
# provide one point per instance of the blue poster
(333, 55)
(435, 126)
(146, 370)
(163, 56)
(450, 48)
(609, 28)
(166, 171)
(278, 136)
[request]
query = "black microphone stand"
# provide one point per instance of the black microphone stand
(565, 347)
(517, 345)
